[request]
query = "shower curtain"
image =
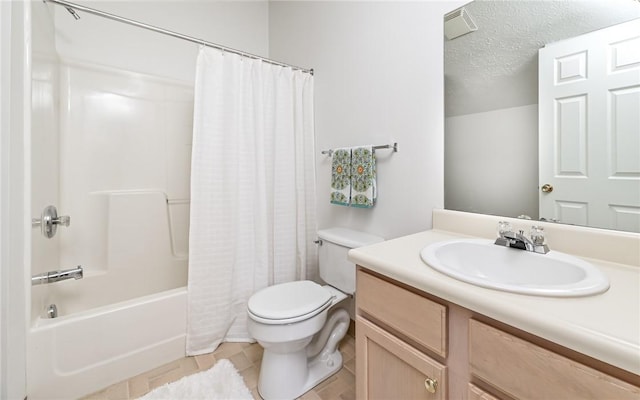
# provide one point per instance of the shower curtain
(253, 217)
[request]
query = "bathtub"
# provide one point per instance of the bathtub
(127, 315)
(78, 354)
(128, 198)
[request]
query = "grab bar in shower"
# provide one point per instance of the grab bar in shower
(55, 276)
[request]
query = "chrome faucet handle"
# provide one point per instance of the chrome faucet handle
(504, 227)
(537, 235)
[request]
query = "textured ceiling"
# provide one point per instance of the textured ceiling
(496, 66)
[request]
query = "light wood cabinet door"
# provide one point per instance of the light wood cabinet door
(388, 368)
(526, 371)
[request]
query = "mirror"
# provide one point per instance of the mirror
(492, 107)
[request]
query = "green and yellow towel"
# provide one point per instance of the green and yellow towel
(363, 177)
(341, 177)
(353, 177)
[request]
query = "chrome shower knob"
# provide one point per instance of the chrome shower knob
(49, 221)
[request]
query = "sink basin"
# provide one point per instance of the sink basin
(482, 263)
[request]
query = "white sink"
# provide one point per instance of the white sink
(482, 263)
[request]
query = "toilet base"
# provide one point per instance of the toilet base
(319, 368)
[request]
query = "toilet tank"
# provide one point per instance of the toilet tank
(335, 268)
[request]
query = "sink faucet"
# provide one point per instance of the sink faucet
(518, 240)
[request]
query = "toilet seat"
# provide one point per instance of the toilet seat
(289, 302)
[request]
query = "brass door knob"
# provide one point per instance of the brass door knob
(431, 385)
(547, 188)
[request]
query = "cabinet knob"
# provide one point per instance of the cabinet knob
(431, 385)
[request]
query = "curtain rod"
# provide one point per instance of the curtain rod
(72, 6)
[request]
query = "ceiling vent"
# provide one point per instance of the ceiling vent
(458, 23)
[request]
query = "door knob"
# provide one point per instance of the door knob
(547, 188)
(431, 385)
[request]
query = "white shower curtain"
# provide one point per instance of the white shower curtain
(253, 217)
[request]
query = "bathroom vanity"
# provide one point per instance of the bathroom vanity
(422, 334)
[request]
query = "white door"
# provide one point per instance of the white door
(589, 127)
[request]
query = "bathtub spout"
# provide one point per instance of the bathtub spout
(55, 276)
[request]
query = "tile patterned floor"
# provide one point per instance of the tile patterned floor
(246, 357)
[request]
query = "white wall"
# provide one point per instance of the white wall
(378, 79)
(5, 110)
(491, 162)
(237, 24)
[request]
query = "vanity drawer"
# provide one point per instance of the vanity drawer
(421, 320)
(388, 368)
(526, 371)
(475, 393)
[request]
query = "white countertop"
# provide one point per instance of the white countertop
(604, 326)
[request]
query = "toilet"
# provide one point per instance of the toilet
(300, 324)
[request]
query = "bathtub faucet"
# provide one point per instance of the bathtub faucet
(55, 276)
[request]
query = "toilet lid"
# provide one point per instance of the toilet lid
(288, 300)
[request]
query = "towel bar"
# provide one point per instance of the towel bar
(393, 146)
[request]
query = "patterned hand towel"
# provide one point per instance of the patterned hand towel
(341, 177)
(363, 177)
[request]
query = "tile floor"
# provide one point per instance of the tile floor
(246, 357)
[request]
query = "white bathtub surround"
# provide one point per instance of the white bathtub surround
(253, 216)
(121, 171)
(124, 148)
